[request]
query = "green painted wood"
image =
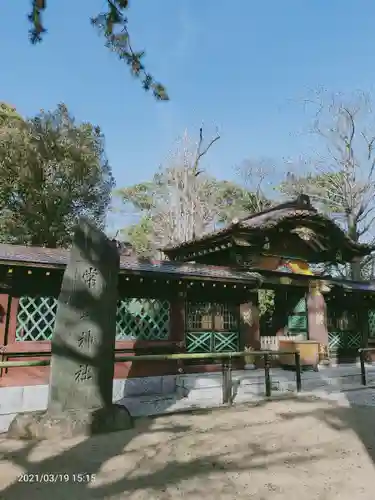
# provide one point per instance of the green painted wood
(297, 320)
(211, 327)
(301, 306)
(137, 319)
(212, 342)
(344, 340)
(371, 323)
(198, 342)
(342, 329)
(35, 318)
(225, 342)
(143, 319)
(297, 323)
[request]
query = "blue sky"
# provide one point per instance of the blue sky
(243, 66)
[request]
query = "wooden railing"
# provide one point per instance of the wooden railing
(226, 358)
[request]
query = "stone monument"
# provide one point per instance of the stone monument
(83, 346)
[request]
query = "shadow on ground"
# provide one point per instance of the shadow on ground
(234, 453)
(354, 417)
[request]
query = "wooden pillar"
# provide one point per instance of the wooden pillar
(249, 326)
(8, 318)
(177, 318)
(13, 320)
(317, 321)
(4, 317)
(177, 328)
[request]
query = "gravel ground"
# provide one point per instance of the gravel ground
(288, 449)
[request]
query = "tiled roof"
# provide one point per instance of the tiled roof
(34, 255)
(58, 257)
(295, 210)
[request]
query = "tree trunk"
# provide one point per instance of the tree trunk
(355, 267)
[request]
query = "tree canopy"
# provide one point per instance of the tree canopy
(112, 24)
(9, 116)
(52, 171)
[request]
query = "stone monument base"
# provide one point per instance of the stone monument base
(70, 423)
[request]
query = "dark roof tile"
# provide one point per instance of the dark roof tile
(58, 257)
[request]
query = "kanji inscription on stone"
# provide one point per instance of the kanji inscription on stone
(90, 277)
(86, 339)
(83, 373)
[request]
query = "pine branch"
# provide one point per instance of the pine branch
(113, 25)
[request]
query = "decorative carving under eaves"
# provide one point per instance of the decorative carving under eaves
(305, 233)
(249, 261)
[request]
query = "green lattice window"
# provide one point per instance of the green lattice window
(371, 323)
(146, 319)
(35, 318)
(207, 316)
(211, 327)
(344, 340)
(143, 319)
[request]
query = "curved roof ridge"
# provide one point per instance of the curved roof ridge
(301, 202)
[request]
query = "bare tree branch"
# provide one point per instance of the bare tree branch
(180, 203)
(200, 153)
(256, 177)
(342, 180)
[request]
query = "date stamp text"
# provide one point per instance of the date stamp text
(56, 477)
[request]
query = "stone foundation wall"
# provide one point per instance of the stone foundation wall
(170, 393)
(20, 399)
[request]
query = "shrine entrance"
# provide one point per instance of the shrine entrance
(283, 312)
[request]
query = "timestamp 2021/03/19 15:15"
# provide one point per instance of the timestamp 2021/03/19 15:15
(57, 477)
